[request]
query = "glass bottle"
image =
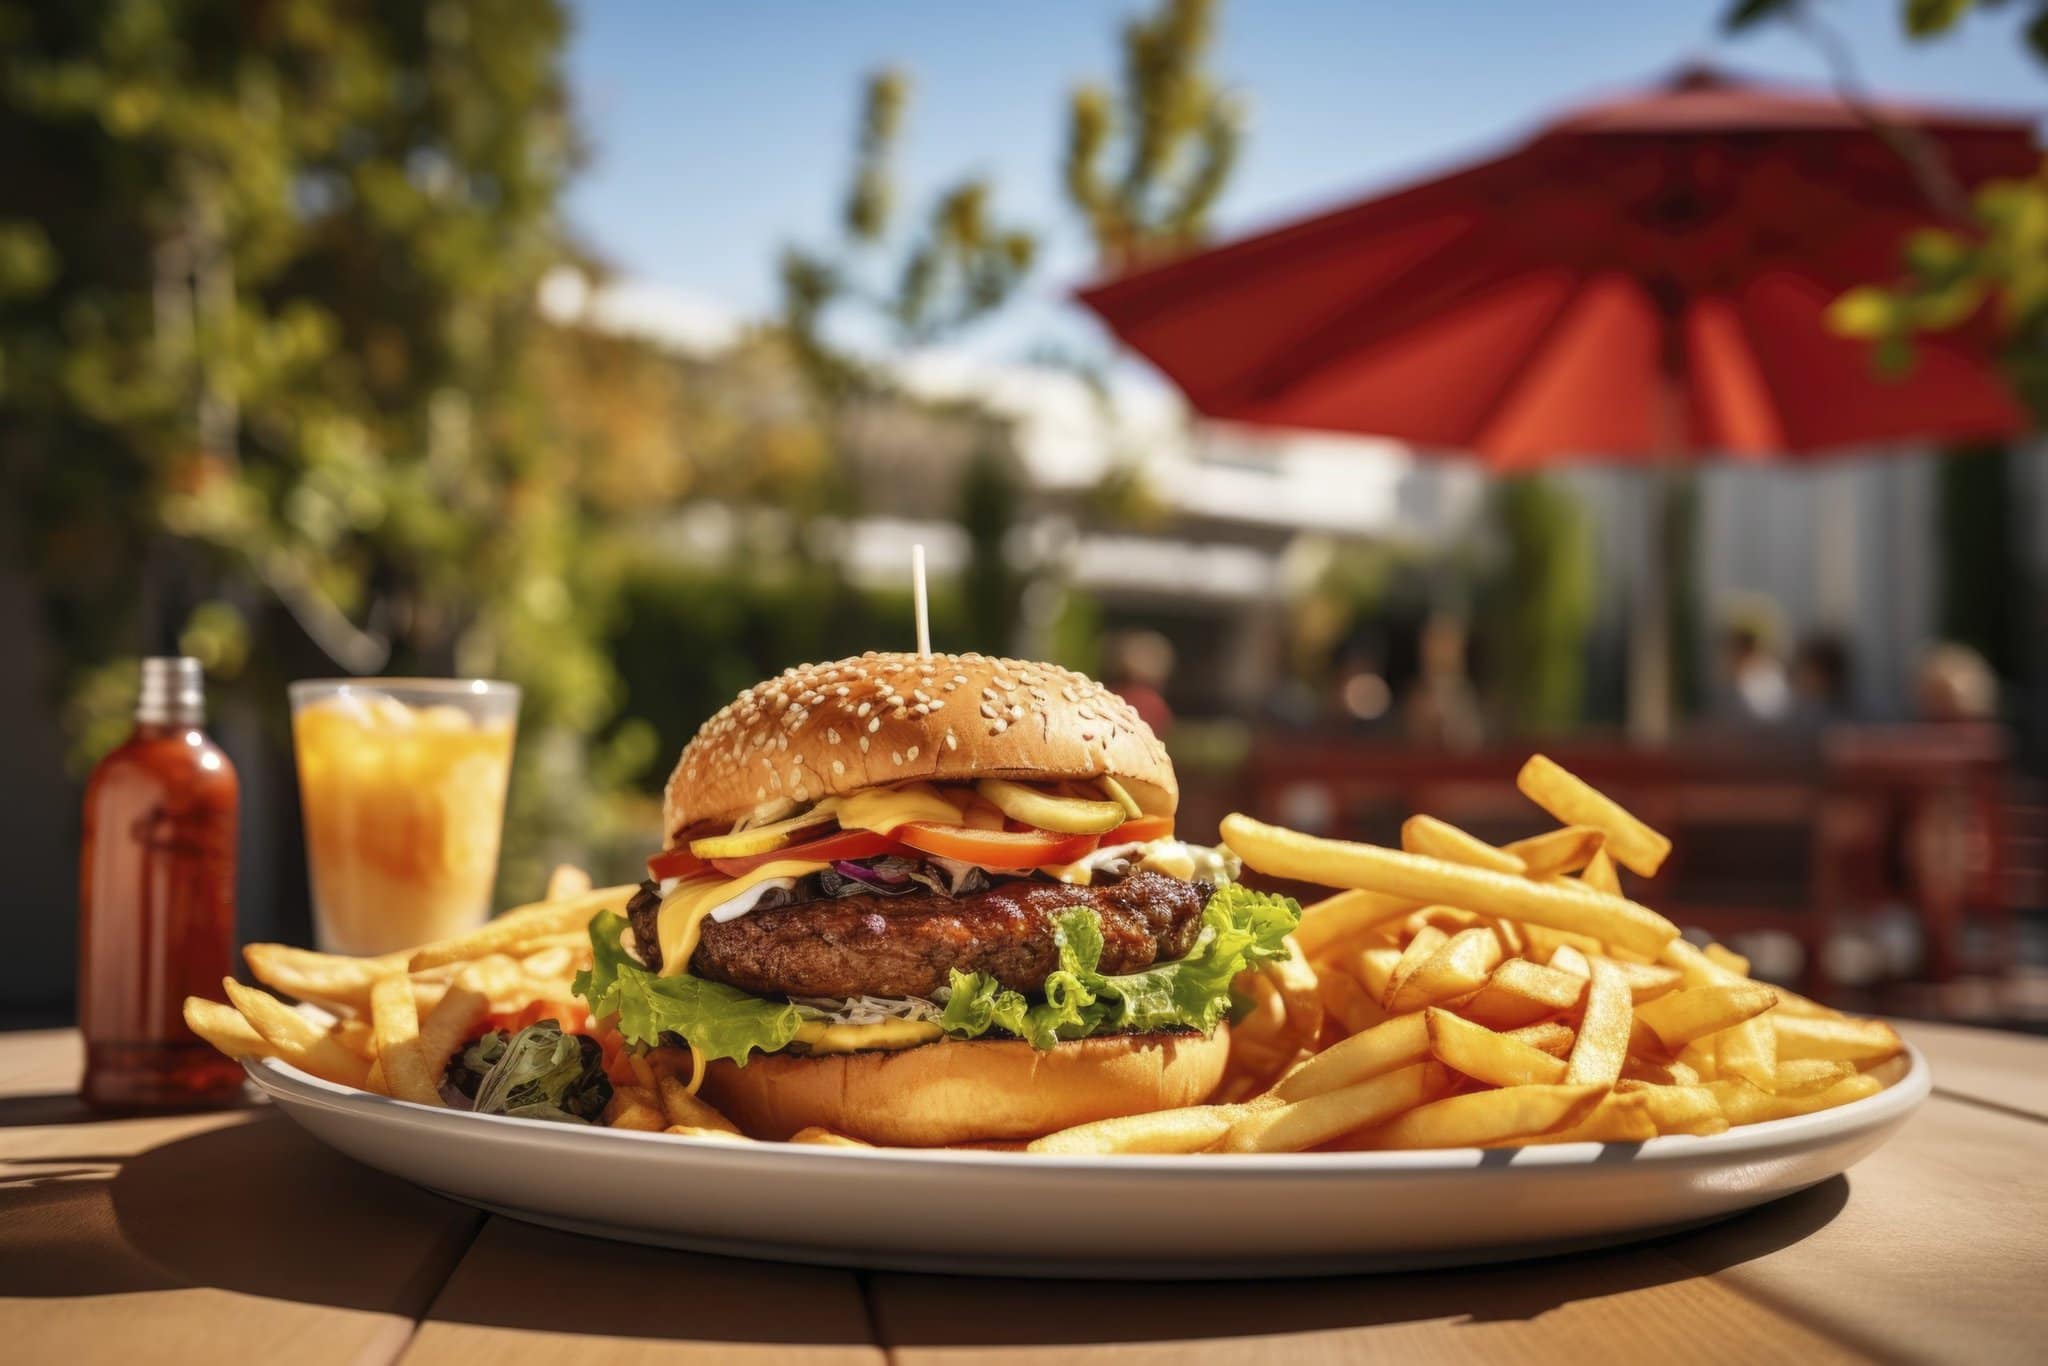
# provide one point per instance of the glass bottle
(157, 902)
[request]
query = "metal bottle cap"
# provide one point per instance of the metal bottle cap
(173, 692)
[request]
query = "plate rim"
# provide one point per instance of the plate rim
(280, 1080)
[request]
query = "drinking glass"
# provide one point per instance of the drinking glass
(402, 784)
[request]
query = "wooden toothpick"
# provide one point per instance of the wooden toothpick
(917, 595)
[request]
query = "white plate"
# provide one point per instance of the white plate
(1017, 1214)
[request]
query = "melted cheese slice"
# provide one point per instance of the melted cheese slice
(822, 1037)
(882, 809)
(680, 920)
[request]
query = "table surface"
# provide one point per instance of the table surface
(213, 1237)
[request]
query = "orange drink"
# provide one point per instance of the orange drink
(402, 785)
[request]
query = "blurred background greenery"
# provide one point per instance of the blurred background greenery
(280, 388)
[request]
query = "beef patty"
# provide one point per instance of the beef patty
(907, 945)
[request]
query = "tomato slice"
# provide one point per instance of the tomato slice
(1005, 849)
(676, 862)
(842, 844)
(1140, 830)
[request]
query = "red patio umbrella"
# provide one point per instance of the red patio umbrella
(1644, 280)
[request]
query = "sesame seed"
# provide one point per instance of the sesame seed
(951, 742)
(831, 736)
(874, 725)
(863, 744)
(913, 752)
(837, 768)
(896, 757)
(1001, 726)
(938, 706)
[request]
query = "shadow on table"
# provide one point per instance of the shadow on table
(930, 1311)
(255, 1206)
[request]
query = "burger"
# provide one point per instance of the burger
(932, 899)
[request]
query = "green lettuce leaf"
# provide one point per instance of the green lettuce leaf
(718, 1021)
(1241, 929)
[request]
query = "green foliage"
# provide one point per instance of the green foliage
(990, 494)
(1538, 605)
(958, 265)
(266, 347)
(1146, 163)
(1949, 278)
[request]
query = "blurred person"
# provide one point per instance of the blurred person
(1955, 683)
(1753, 688)
(1141, 664)
(1820, 681)
(1441, 707)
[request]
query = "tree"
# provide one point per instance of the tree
(268, 278)
(960, 263)
(1146, 163)
(1538, 603)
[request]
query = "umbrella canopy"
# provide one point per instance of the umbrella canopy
(1645, 278)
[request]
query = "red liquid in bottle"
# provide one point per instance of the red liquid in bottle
(157, 903)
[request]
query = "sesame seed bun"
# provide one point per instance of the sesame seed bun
(822, 730)
(968, 1091)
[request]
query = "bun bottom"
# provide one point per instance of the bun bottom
(968, 1091)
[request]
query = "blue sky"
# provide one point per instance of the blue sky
(720, 130)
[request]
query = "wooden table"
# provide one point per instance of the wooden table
(220, 1238)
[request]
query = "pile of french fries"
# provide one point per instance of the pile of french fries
(390, 1024)
(1452, 994)
(1458, 994)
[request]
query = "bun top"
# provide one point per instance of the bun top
(822, 730)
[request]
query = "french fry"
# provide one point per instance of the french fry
(1345, 915)
(1857, 1041)
(396, 1018)
(1329, 1115)
(1449, 919)
(1568, 958)
(1603, 1030)
(1599, 873)
(226, 1029)
(1551, 1036)
(297, 1040)
(1743, 1103)
(1695, 1012)
(1698, 1057)
(1544, 941)
(635, 1107)
(1555, 853)
(1727, 958)
(1286, 853)
(1441, 839)
(1187, 1130)
(1573, 801)
(1374, 968)
(1809, 1076)
(522, 925)
(826, 1138)
(374, 1080)
(1483, 1117)
(1379, 1050)
(1636, 1067)
(330, 978)
(547, 963)
(1677, 1109)
(1426, 942)
(1344, 998)
(1616, 1119)
(1295, 986)
(1748, 1050)
(1485, 1056)
(1646, 981)
(1521, 992)
(566, 880)
(705, 1131)
(357, 1037)
(683, 1108)
(447, 1027)
(1458, 968)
